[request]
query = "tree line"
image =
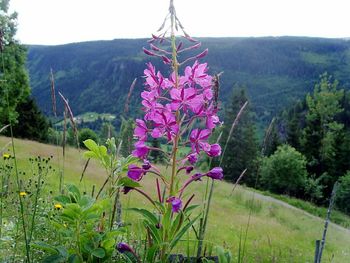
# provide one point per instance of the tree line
(305, 151)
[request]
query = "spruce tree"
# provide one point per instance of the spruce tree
(32, 124)
(323, 133)
(242, 148)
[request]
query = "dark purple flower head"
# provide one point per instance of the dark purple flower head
(146, 165)
(215, 150)
(189, 169)
(141, 150)
(216, 173)
(192, 158)
(126, 189)
(176, 203)
(135, 173)
(197, 177)
(124, 247)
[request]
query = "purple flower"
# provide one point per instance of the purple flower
(176, 203)
(197, 74)
(146, 165)
(189, 169)
(141, 130)
(215, 150)
(192, 158)
(183, 98)
(124, 247)
(135, 173)
(153, 80)
(198, 139)
(165, 123)
(216, 173)
(141, 150)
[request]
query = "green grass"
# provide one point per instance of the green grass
(336, 216)
(276, 233)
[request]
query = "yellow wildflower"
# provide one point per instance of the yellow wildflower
(58, 206)
(6, 155)
(23, 194)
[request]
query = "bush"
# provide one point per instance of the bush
(343, 193)
(284, 172)
(85, 134)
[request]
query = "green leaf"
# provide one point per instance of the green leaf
(74, 258)
(146, 214)
(190, 208)
(86, 202)
(102, 151)
(45, 247)
(154, 232)
(176, 224)
(182, 232)
(108, 243)
(90, 154)
(72, 211)
(74, 191)
(57, 258)
(151, 253)
(62, 199)
(126, 181)
(91, 145)
(98, 252)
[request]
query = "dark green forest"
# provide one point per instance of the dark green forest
(96, 76)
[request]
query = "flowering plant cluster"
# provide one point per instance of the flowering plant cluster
(172, 106)
(181, 110)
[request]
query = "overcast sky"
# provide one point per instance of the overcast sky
(66, 21)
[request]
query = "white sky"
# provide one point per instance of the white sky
(65, 21)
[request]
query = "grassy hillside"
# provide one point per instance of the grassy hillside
(96, 76)
(276, 233)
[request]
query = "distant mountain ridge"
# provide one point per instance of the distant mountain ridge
(96, 76)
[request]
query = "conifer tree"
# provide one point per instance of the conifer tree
(242, 148)
(322, 132)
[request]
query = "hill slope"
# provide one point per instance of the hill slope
(276, 233)
(96, 76)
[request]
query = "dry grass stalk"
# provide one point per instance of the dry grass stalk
(126, 107)
(64, 139)
(267, 136)
(238, 180)
(84, 170)
(231, 130)
(53, 93)
(71, 117)
(4, 128)
(3, 148)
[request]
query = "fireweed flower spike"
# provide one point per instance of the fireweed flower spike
(172, 104)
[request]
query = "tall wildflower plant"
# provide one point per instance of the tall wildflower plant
(182, 110)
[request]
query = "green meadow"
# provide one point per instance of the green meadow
(250, 225)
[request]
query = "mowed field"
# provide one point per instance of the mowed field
(276, 232)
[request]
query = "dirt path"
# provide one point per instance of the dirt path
(276, 201)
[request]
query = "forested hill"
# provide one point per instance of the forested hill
(96, 76)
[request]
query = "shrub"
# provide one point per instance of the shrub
(343, 193)
(85, 134)
(284, 172)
